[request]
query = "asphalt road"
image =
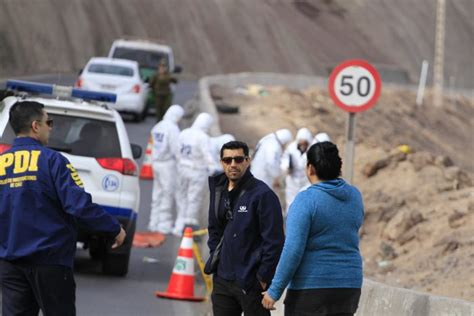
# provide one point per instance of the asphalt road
(134, 294)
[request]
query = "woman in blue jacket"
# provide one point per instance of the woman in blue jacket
(321, 262)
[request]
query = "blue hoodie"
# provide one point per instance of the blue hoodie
(322, 240)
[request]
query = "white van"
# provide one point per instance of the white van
(147, 53)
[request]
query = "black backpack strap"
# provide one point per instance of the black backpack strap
(217, 197)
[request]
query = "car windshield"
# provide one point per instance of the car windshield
(144, 58)
(110, 70)
(78, 136)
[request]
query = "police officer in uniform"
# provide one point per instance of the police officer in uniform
(42, 201)
(161, 85)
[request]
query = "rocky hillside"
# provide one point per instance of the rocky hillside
(209, 37)
(418, 198)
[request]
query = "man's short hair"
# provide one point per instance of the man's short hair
(22, 113)
(324, 157)
(235, 144)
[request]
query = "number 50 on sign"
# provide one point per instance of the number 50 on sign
(354, 85)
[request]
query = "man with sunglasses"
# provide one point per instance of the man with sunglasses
(42, 201)
(245, 235)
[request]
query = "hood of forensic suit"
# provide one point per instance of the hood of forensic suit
(203, 122)
(174, 113)
(304, 134)
(321, 137)
(284, 136)
(219, 141)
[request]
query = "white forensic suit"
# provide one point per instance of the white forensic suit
(321, 137)
(265, 164)
(293, 164)
(195, 164)
(216, 145)
(164, 152)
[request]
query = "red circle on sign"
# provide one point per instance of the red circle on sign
(357, 63)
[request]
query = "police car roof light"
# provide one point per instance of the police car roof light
(60, 91)
(26, 86)
(94, 95)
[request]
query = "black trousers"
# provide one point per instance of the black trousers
(322, 302)
(27, 288)
(228, 299)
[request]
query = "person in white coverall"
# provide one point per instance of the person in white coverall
(164, 152)
(293, 164)
(267, 156)
(321, 137)
(195, 164)
(216, 145)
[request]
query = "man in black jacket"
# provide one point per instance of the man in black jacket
(245, 235)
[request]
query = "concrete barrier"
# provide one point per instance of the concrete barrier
(380, 299)
(377, 299)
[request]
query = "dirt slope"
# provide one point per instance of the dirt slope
(232, 36)
(418, 231)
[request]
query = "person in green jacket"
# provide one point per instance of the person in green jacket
(161, 86)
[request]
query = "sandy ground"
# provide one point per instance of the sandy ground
(418, 231)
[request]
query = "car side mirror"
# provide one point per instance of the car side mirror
(177, 69)
(136, 151)
(80, 71)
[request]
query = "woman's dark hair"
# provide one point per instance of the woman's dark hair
(235, 144)
(23, 113)
(324, 157)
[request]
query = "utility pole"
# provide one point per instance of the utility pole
(438, 67)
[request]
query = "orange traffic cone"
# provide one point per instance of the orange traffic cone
(181, 284)
(146, 172)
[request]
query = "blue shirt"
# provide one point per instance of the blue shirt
(322, 240)
(41, 202)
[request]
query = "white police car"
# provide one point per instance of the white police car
(95, 141)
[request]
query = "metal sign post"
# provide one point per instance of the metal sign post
(354, 86)
(349, 151)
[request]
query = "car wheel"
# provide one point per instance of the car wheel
(116, 261)
(143, 114)
(116, 264)
(227, 108)
(97, 249)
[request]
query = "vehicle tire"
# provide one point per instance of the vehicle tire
(227, 108)
(143, 114)
(137, 117)
(116, 264)
(115, 261)
(97, 249)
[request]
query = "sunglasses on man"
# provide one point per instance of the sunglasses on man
(48, 122)
(237, 159)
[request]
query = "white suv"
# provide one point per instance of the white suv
(94, 139)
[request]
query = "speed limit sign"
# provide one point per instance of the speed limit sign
(354, 85)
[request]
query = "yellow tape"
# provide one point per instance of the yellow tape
(207, 278)
(200, 232)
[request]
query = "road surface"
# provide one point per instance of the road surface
(134, 294)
